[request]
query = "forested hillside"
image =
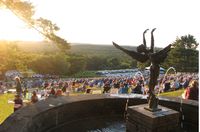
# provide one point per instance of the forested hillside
(46, 58)
(79, 49)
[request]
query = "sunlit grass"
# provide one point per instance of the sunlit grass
(177, 93)
(5, 108)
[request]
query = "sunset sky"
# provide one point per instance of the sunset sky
(104, 21)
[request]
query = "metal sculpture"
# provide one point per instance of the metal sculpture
(142, 55)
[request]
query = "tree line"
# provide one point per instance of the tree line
(57, 62)
(183, 57)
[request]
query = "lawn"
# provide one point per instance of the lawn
(5, 108)
(177, 93)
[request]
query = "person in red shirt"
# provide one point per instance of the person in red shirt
(52, 92)
(192, 92)
(59, 92)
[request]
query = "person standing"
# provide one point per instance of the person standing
(18, 86)
(25, 92)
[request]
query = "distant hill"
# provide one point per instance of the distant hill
(80, 49)
(96, 50)
(76, 48)
(41, 46)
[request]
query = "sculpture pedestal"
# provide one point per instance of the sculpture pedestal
(142, 120)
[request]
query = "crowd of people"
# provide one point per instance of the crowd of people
(138, 84)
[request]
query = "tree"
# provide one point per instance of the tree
(186, 42)
(25, 11)
(57, 64)
(77, 64)
(143, 65)
(12, 58)
(96, 63)
(184, 56)
(48, 28)
(113, 63)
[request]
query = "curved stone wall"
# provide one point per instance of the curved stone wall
(53, 113)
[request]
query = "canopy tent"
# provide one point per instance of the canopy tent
(161, 69)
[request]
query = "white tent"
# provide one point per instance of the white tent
(148, 68)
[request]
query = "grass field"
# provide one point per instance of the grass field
(6, 109)
(177, 93)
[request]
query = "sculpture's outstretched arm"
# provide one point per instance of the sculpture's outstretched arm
(152, 41)
(135, 55)
(144, 40)
(160, 56)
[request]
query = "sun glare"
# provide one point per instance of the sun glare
(12, 28)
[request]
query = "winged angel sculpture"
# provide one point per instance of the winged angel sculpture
(142, 55)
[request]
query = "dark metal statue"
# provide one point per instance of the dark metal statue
(142, 55)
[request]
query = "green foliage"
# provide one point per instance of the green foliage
(61, 43)
(184, 56)
(12, 58)
(186, 42)
(24, 10)
(143, 65)
(113, 63)
(51, 64)
(100, 57)
(45, 58)
(125, 65)
(48, 28)
(77, 64)
(83, 74)
(96, 63)
(184, 60)
(48, 60)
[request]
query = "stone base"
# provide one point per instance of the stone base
(152, 110)
(141, 120)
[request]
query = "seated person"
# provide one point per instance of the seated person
(18, 102)
(137, 89)
(59, 92)
(64, 88)
(52, 92)
(176, 85)
(167, 86)
(106, 87)
(34, 97)
(192, 92)
(116, 84)
(124, 89)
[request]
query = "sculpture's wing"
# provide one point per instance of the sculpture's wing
(135, 55)
(161, 55)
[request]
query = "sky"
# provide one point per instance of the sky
(104, 21)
